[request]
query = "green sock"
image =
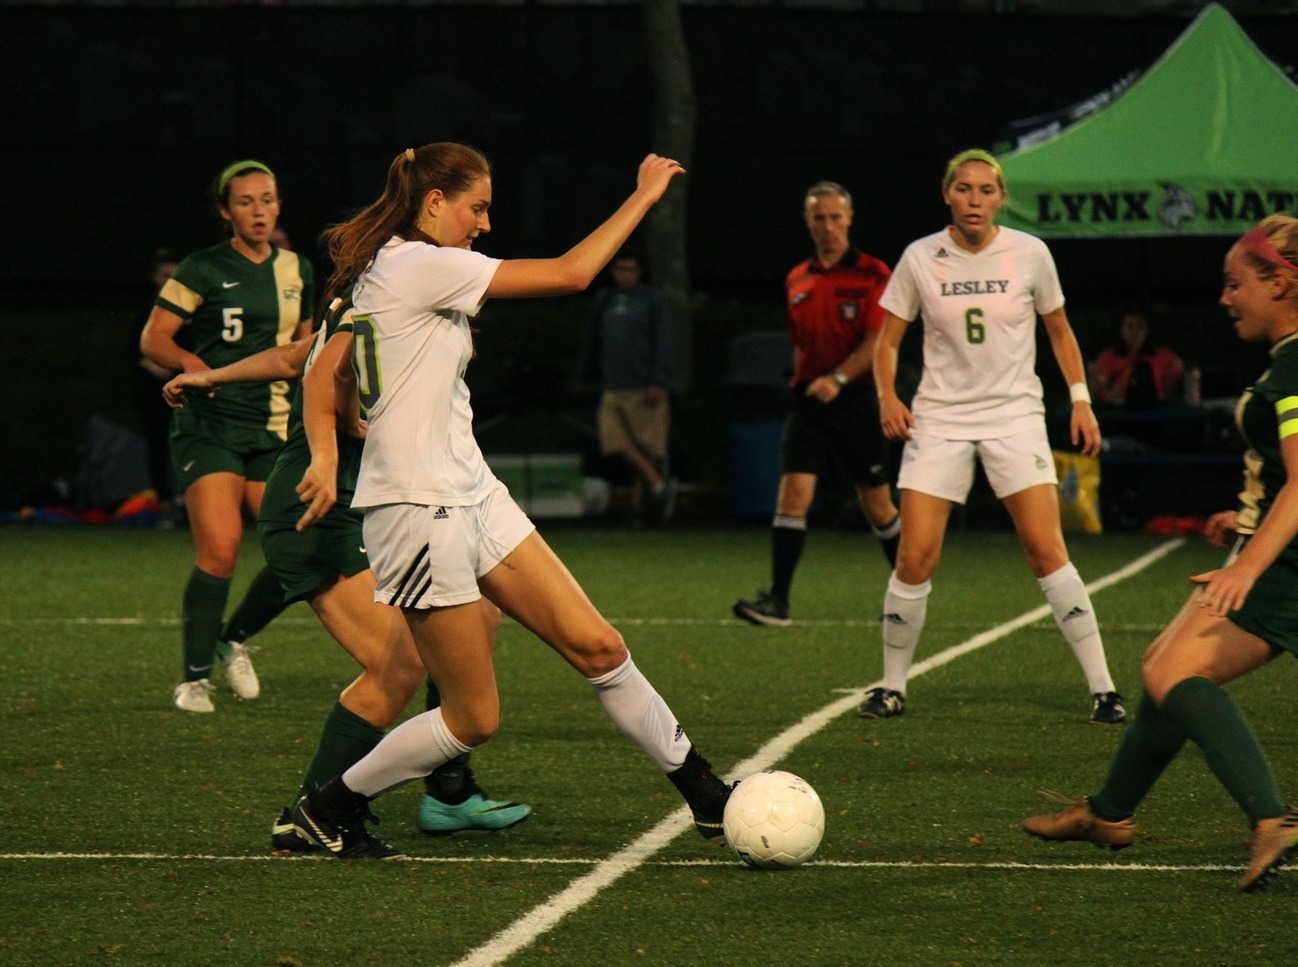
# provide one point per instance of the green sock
(1149, 745)
(451, 782)
(263, 600)
(201, 607)
(1214, 722)
(345, 739)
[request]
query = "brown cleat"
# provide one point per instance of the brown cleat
(1272, 840)
(1079, 822)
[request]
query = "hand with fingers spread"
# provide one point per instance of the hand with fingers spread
(1224, 589)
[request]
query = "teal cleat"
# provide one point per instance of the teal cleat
(477, 812)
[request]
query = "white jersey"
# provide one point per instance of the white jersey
(980, 316)
(412, 345)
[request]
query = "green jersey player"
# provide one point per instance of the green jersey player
(240, 297)
(1244, 613)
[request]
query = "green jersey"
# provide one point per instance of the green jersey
(237, 307)
(1266, 414)
(280, 502)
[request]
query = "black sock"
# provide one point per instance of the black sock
(787, 542)
(452, 781)
(889, 537)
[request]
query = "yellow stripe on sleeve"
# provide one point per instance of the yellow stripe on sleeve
(1286, 414)
(181, 296)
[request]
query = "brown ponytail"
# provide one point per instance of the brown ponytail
(412, 175)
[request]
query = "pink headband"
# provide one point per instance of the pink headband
(1256, 242)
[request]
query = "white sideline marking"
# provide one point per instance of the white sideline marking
(541, 918)
(544, 861)
(727, 622)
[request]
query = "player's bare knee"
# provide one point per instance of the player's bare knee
(477, 727)
(600, 652)
(915, 566)
(1044, 561)
(403, 675)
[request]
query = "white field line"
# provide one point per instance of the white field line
(727, 863)
(541, 918)
(641, 852)
(726, 622)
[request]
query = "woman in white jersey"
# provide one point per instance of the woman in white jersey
(440, 530)
(979, 289)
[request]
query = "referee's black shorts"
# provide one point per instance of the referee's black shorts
(839, 437)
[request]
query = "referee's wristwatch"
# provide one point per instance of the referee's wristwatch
(840, 377)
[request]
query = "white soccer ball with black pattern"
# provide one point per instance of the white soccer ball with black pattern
(774, 820)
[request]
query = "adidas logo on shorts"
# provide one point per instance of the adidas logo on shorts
(441, 514)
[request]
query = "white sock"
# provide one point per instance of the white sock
(904, 609)
(1076, 620)
(413, 749)
(642, 715)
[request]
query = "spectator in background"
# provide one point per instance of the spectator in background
(628, 353)
(1135, 371)
(151, 409)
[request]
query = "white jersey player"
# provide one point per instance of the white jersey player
(441, 531)
(979, 289)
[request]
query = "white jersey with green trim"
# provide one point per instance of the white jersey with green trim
(979, 314)
(412, 344)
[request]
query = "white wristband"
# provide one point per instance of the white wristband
(1079, 393)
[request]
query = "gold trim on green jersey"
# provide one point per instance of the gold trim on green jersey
(181, 296)
(288, 290)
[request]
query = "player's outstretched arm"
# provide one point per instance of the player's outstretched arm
(580, 265)
(277, 362)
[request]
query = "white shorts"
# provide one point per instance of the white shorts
(945, 468)
(432, 557)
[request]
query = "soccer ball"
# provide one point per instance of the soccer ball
(774, 821)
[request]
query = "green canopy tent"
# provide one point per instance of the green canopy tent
(1200, 144)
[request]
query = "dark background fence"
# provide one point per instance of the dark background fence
(117, 119)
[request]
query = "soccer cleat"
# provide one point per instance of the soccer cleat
(193, 696)
(334, 817)
(239, 673)
(438, 818)
(284, 838)
(766, 610)
(704, 792)
(1079, 823)
(1108, 709)
(882, 703)
(1272, 841)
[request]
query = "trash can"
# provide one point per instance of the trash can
(757, 400)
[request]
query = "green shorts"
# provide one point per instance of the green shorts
(1271, 609)
(303, 561)
(200, 447)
